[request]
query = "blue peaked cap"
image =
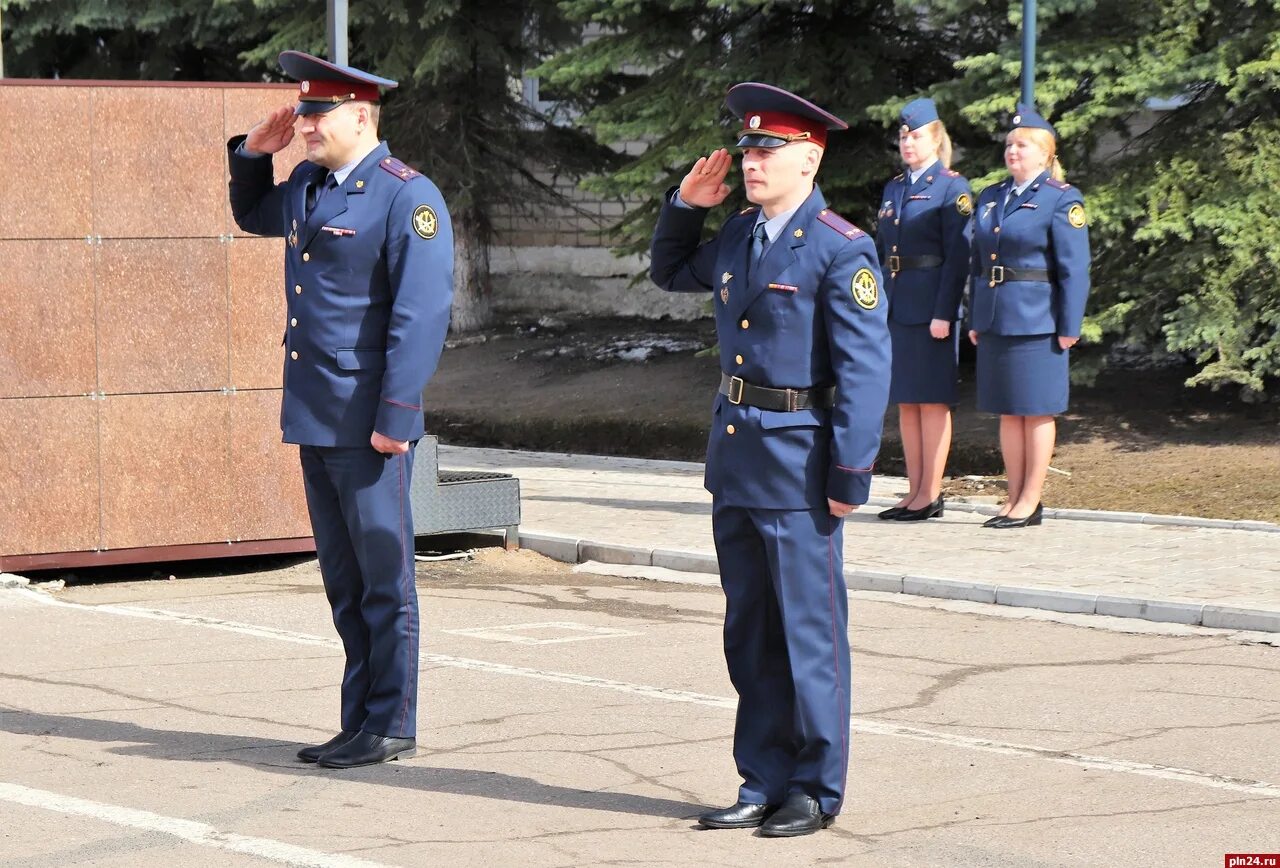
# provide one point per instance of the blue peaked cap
(1027, 116)
(917, 113)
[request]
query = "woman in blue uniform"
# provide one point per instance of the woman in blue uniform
(924, 255)
(1030, 268)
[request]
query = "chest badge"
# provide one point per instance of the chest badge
(293, 236)
(724, 295)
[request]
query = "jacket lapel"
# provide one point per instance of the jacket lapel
(782, 253)
(1027, 194)
(335, 201)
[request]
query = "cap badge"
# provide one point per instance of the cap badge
(1017, 119)
(305, 87)
(754, 123)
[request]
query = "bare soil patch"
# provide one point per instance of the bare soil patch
(1135, 441)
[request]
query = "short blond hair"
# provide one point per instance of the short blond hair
(1047, 143)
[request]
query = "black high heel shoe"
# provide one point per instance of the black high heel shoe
(931, 510)
(890, 514)
(1036, 517)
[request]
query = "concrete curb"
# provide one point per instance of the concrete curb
(1117, 517)
(576, 551)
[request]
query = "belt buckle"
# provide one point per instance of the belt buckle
(997, 273)
(793, 400)
(895, 264)
(735, 390)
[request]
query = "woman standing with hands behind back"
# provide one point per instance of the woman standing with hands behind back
(924, 255)
(1030, 269)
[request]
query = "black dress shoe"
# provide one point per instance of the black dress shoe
(890, 513)
(799, 815)
(367, 749)
(994, 520)
(1036, 517)
(931, 510)
(313, 752)
(743, 815)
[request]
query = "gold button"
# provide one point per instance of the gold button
(294, 321)
(738, 359)
(730, 430)
(294, 355)
(997, 230)
(896, 222)
(297, 290)
(306, 257)
(895, 248)
(745, 324)
(993, 257)
(992, 284)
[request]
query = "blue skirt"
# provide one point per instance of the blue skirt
(1022, 375)
(924, 368)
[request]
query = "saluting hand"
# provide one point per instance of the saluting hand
(704, 186)
(272, 134)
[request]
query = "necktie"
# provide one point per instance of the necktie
(316, 192)
(758, 242)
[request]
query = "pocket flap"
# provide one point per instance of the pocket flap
(795, 419)
(362, 360)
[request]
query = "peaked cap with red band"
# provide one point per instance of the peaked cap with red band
(323, 86)
(773, 117)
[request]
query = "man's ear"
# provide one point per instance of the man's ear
(812, 160)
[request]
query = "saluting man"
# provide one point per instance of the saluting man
(369, 282)
(804, 356)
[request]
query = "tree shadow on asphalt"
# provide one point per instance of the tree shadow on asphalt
(278, 757)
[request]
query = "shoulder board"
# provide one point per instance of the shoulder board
(753, 209)
(838, 223)
(398, 168)
(950, 173)
(1056, 184)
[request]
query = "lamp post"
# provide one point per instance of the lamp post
(336, 30)
(1029, 52)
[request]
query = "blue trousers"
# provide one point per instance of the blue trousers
(358, 499)
(786, 643)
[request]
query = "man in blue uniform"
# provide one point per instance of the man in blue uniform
(368, 282)
(804, 356)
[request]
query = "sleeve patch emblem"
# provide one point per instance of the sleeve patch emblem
(1075, 216)
(425, 222)
(964, 204)
(866, 292)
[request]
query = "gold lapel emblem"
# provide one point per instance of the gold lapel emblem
(724, 294)
(425, 222)
(866, 292)
(799, 233)
(726, 277)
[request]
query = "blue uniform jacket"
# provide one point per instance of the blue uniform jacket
(369, 284)
(1044, 228)
(927, 218)
(812, 314)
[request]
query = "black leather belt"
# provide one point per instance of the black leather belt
(907, 263)
(738, 391)
(1005, 274)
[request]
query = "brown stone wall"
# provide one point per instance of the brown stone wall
(140, 347)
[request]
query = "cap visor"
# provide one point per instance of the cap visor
(314, 108)
(753, 141)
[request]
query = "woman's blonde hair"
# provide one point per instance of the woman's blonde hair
(1047, 143)
(944, 141)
